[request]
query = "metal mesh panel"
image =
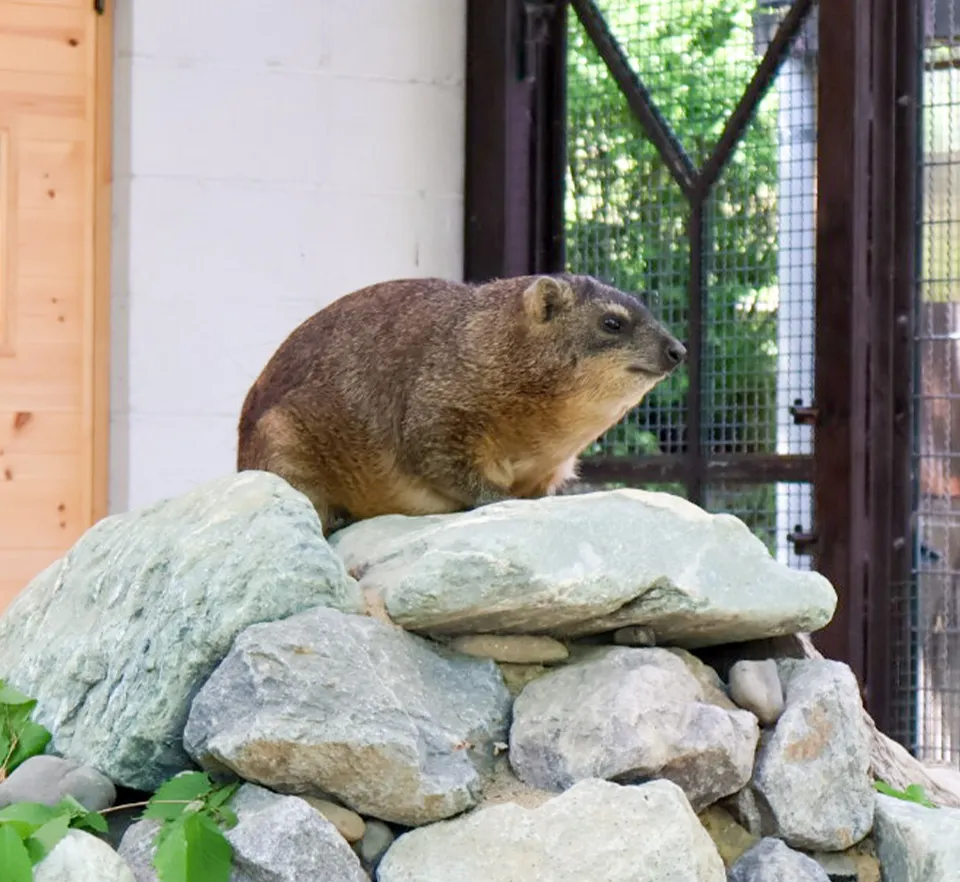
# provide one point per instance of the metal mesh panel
(757, 505)
(626, 222)
(929, 686)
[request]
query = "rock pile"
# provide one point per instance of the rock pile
(518, 692)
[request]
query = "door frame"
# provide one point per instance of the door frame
(96, 363)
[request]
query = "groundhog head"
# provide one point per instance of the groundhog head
(611, 335)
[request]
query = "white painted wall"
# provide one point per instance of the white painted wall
(270, 156)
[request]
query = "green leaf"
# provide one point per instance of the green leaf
(193, 850)
(10, 696)
(32, 740)
(26, 817)
(226, 816)
(92, 822)
(44, 840)
(884, 788)
(222, 795)
(14, 857)
(69, 805)
(181, 790)
(913, 793)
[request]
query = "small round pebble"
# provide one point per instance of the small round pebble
(376, 840)
(349, 824)
(756, 687)
(517, 649)
(47, 779)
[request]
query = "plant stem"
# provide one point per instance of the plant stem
(130, 805)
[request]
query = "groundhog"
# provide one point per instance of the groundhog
(424, 396)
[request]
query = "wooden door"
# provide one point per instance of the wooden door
(54, 268)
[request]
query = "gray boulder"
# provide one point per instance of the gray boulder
(770, 860)
(80, 857)
(811, 784)
(915, 843)
(386, 722)
(596, 831)
(47, 779)
(584, 564)
(114, 639)
(276, 839)
(628, 715)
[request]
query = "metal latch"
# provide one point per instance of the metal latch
(802, 542)
(804, 415)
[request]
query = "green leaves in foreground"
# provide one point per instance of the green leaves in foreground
(913, 793)
(20, 737)
(29, 831)
(190, 845)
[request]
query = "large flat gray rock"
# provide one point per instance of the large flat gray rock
(114, 639)
(387, 722)
(276, 839)
(595, 831)
(575, 565)
(915, 843)
(629, 715)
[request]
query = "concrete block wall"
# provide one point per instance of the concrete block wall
(269, 157)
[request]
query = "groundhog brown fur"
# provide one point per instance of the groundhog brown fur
(424, 396)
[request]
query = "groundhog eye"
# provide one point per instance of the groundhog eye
(612, 324)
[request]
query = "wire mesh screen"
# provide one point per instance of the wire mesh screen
(929, 689)
(627, 222)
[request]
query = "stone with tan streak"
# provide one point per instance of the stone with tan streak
(811, 784)
(344, 706)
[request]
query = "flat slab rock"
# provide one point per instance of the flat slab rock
(629, 715)
(114, 638)
(276, 839)
(577, 565)
(915, 843)
(388, 723)
(595, 831)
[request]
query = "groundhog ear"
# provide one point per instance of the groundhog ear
(547, 298)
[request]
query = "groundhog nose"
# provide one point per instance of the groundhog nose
(675, 353)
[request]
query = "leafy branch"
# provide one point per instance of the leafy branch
(193, 812)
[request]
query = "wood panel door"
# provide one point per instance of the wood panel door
(54, 269)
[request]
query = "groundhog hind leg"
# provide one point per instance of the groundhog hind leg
(276, 445)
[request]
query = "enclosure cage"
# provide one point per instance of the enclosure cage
(777, 179)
